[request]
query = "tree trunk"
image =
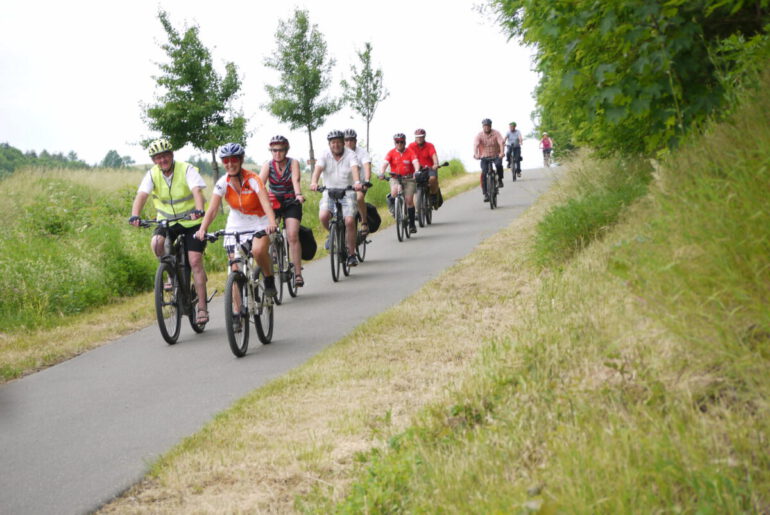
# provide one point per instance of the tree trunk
(367, 135)
(311, 161)
(215, 168)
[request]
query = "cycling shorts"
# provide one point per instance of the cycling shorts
(408, 183)
(176, 230)
(290, 209)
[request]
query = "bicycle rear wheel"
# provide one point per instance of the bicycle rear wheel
(167, 308)
(287, 267)
(398, 209)
(193, 314)
(263, 318)
(334, 254)
(237, 318)
(429, 213)
(361, 246)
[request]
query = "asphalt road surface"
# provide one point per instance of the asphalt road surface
(77, 434)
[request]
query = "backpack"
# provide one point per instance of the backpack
(373, 219)
(307, 242)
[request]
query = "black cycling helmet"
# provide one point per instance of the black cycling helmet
(231, 149)
(279, 140)
(486, 121)
(399, 136)
(335, 135)
(350, 134)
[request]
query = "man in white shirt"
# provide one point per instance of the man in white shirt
(340, 168)
(351, 142)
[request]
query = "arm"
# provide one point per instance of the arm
(136, 209)
(476, 143)
(314, 178)
(355, 170)
(209, 217)
(367, 171)
(435, 161)
(268, 207)
(200, 202)
(264, 172)
(383, 169)
(296, 180)
(501, 144)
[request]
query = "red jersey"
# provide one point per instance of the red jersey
(424, 154)
(401, 164)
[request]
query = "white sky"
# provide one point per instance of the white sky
(73, 73)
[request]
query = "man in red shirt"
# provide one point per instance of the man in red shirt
(426, 155)
(403, 162)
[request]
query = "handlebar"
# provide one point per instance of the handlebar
(321, 189)
(212, 237)
(165, 221)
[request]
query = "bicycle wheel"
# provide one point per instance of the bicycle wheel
(420, 205)
(277, 257)
(343, 246)
(334, 254)
(491, 189)
(193, 314)
(429, 213)
(360, 245)
(167, 308)
(398, 209)
(405, 219)
(263, 318)
(237, 319)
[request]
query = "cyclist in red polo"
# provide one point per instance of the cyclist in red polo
(403, 162)
(426, 155)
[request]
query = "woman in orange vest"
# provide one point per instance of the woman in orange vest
(250, 209)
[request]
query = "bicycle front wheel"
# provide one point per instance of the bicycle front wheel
(343, 246)
(492, 189)
(334, 253)
(263, 318)
(277, 257)
(398, 209)
(420, 205)
(193, 314)
(360, 245)
(237, 313)
(428, 212)
(167, 308)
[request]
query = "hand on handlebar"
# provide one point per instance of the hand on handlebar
(271, 228)
(196, 214)
(200, 234)
(135, 220)
(313, 186)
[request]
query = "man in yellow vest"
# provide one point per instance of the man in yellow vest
(177, 189)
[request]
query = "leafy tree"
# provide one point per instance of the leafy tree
(196, 106)
(305, 69)
(128, 161)
(112, 160)
(627, 76)
(367, 91)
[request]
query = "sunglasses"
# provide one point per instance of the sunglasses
(400, 141)
(231, 159)
(277, 150)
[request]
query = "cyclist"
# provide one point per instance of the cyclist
(250, 209)
(177, 189)
(513, 142)
(282, 174)
(351, 141)
(340, 168)
(546, 143)
(426, 155)
(404, 163)
(488, 146)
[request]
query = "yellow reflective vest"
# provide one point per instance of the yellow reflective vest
(176, 200)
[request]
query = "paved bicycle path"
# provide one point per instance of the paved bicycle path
(75, 435)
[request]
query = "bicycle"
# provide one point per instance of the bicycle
(547, 157)
(175, 294)
(338, 251)
(422, 204)
(245, 295)
(490, 176)
(283, 268)
(399, 208)
(361, 239)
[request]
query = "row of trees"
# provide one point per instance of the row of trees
(632, 76)
(12, 158)
(196, 103)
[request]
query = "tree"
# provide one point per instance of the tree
(305, 69)
(112, 160)
(196, 107)
(367, 91)
(627, 76)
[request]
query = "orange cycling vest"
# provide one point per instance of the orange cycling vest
(247, 202)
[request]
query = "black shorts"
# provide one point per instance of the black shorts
(290, 209)
(176, 230)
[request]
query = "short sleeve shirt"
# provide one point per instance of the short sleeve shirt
(236, 220)
(424, 154)
(193, 176)
(338, 174)
(513, 138)
(401, 163)
(363, 155)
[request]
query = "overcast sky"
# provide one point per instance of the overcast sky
(73, 73)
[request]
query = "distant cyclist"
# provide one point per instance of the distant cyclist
(250, 209)
(282, 176)
(488, 145)
(177, 189)
(340, 168)
(365, 160)
(513, 142)
(426, 155)
(404, 163)
(546, 143)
